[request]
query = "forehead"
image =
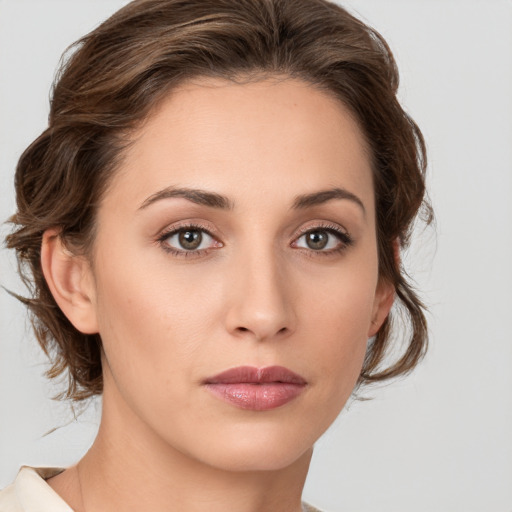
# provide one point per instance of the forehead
(247, 139)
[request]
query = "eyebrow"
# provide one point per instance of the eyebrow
(214, 200)
(202, 197)
(316, 198)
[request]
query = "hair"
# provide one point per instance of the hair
(115, 77)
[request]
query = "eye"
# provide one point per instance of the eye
(188, 240)
(324, 240)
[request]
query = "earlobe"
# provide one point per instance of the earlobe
(69, 279)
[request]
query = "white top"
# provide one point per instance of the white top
(31, 493)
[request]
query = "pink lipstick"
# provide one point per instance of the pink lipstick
(256, 389)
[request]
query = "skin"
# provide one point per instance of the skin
(256, 294)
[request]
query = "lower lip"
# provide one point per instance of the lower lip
(256, 397)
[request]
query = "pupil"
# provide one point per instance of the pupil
(317, 240)
(190, 239)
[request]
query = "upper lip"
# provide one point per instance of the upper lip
(253, 375)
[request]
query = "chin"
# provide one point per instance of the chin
(263, 459)
(256, 448)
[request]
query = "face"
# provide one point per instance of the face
(235, 273)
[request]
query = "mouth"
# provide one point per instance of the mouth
(256, 389)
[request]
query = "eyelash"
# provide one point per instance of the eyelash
(177, 229)
(343, 237)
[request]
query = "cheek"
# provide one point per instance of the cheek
(341, 300)
(152, 342)
(159, 324)
(147, 317)
(336, 326)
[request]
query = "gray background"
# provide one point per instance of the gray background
(438, 441)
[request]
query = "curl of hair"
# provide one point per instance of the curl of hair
(117, 74)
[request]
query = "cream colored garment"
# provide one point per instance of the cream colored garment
(31, 493)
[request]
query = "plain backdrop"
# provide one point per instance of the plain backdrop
(438, 441)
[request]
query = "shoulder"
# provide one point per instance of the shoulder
(31, 493)
(9, 501)
(305, 508)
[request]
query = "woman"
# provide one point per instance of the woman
(213, 222)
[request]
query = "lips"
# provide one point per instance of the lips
(257, 389)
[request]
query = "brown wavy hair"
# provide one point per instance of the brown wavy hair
(116, 75)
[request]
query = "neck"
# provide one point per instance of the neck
(130, 468)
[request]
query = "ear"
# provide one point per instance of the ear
(70, 280)
(384, 297)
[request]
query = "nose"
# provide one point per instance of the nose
(261, 305)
